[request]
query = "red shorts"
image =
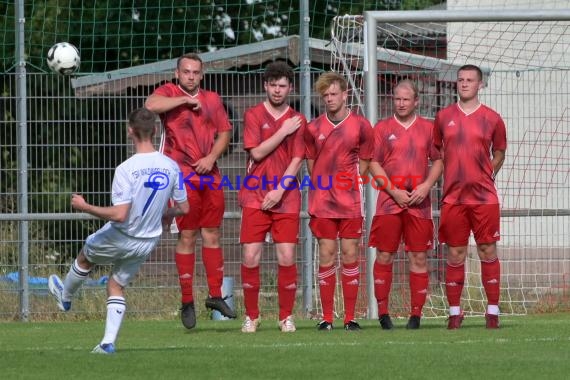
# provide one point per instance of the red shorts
(388, 231)
(255, 224)
(206, 208)
(457, 222)
(331, 228)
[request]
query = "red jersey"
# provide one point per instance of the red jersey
(336, 150)
(467, 141)
(403, 153)
(267, 174)
(190, 135)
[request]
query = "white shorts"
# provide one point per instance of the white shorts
(126, 253)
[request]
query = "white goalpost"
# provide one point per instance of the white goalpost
(525, 56)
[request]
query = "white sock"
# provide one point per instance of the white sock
(73, 280)
(493, 309)
(454, 310)
(116, 307)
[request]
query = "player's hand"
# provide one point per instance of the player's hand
(420, 193)
(204, 165)
(271, 199)
(290, 125)
(78, 202)
(402, 197)
(167, 220)
(193, 104)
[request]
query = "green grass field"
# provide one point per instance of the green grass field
(529, 347)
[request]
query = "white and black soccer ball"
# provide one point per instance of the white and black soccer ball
(63, 58)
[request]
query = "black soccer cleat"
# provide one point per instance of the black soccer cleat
(188, 315)
(219, 304)
(352, 326)
(324, 326)
(413, 322)
(386, 322)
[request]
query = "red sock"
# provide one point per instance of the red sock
(454, 279)
(185, 263)
(491, 277)
(382, 285)
(213, 260)
(418, 292)
(250, 284)
(327, 284)
(286, 289)
(350, 283)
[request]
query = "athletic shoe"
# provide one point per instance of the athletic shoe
(188, 315)
(250, 325)
(55, 287)
(106, 349)
(352, 326)
(287, 325)
(324, 326)
(386, 322)
(413, 322)
(219, 304)
(454, 322)
(492, 321)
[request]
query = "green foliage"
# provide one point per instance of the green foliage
(114, 34)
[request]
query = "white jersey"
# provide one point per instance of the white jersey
(147, 181)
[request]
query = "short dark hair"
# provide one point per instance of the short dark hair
(472, 68)
(143, 123)
(191, 56)
(277, 70)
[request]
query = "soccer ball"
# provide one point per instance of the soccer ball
(63, 58)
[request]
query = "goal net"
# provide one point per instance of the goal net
(526, 66)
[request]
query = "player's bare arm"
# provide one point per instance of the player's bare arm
(205, 164)
(363, 167)
(421, 191)
(288, 127)
(274, 196)
(116, 213)
(179, 209)
(498, 160)
(160, 104)
(401, 197)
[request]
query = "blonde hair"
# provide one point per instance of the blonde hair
(409, 84)
(327, 79)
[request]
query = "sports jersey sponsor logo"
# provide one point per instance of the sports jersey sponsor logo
(392, 137)
(265, 126)
(496, 234)
(322, 137)
(451, 124)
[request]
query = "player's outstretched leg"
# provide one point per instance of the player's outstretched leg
(55, 287)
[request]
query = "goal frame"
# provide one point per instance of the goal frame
(370, 69)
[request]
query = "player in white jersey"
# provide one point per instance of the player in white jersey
(142, 187)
